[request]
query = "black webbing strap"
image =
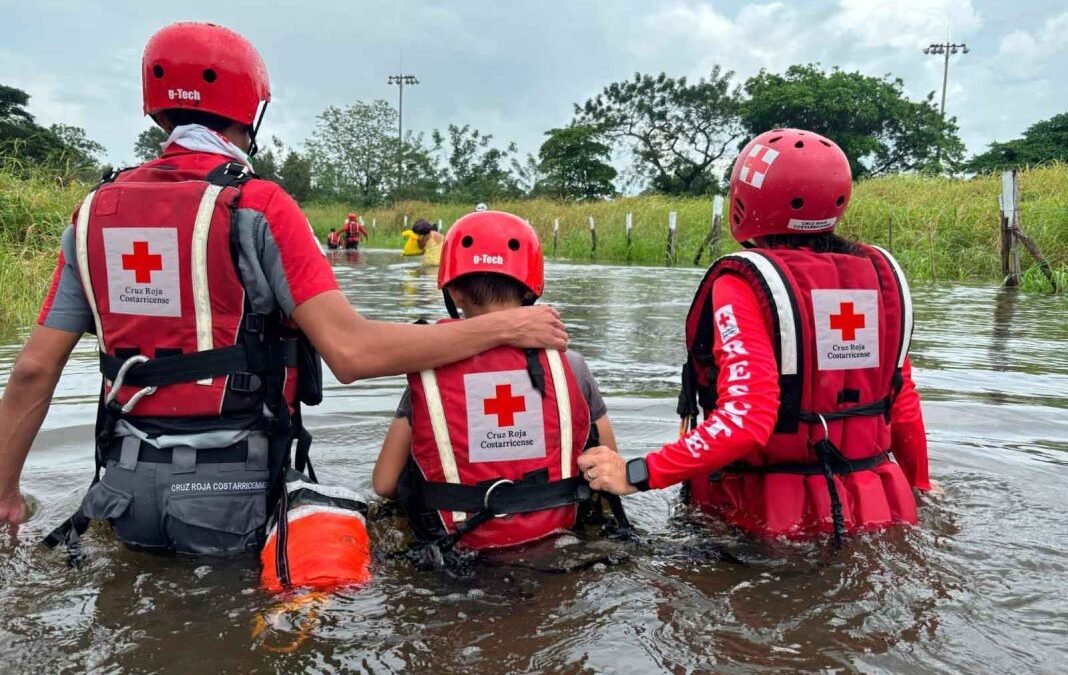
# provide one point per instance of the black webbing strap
(839, 465)
(505, 498)
(535, 370)
(879, 407)
(281, 539)
(166, 370)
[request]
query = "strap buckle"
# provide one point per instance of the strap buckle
(245, 383)
(254, 323)
(489, 492)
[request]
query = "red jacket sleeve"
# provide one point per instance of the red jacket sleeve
(747, 391)
(908, 435)
(304, 268)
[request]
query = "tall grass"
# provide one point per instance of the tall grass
(35, 207)
(938, 228)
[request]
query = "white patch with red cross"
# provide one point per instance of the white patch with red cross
(504, 417)
(727, 323)
(847, 328)
(143, 271)
(756, 164)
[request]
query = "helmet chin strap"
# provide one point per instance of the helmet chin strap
(449, 304)
(253, 148)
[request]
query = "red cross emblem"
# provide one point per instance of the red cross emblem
(726, 320)
(142, 263)
(847, 321)
(756, 164)
(504, 405)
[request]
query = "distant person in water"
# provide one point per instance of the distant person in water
(429, 241)
(496, 434)
(353, 232)
(333, 240)
(798, 355)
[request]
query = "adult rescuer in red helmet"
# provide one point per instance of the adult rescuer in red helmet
(798, 355)
(210, 300)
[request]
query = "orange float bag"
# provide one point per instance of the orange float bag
(316, 539)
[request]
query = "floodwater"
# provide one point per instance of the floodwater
(979, 586)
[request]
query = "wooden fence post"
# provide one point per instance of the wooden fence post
(374, 224)
(630, 226)
(712, 238)
(1012, 232)
(593, 236)
(673, 218)
(405, 222)
(439, 225)
(556, 234)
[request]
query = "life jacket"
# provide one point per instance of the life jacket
(495, 443)
(334, 239)
(841, 327)
(181, 351)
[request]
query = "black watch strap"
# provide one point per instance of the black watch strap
(638, 473)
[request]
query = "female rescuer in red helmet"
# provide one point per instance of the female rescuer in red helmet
(482, 452)
(209, 297)
(798, 355)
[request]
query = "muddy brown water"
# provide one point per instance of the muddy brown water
(979, 586)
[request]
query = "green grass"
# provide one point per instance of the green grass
(950, 223)
(35, 207)
(923, 220)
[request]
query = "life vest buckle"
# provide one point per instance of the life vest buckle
(489, 492)
(245, 383)
(254, 323)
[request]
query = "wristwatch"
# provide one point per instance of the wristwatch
(638, 473)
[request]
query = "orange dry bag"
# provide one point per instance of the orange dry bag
(316, 539)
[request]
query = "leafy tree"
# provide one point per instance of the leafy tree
(574, 164)
(676, 130)
(870, 118)
(1045, 141)
(268, 160)
(422, 176)
(476, 170)
(353, 152)
(147, 145)
(295, 176)
(62, 147)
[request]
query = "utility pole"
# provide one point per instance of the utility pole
(945, 48)
(400, 80)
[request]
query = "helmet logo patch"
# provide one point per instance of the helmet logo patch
(183, 94)
(811, 225)
(485, 259)
(756, 164)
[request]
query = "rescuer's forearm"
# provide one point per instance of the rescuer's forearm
(22, 411)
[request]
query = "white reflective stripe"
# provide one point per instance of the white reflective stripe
(81, 242)
(201, 292)
(296, 514)
(563, 407)
(906, 308)
(780, 299)
(441, 432)
(335, 491)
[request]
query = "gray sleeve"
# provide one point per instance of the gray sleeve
(257, 253)
(404, 406)
(588, 385)
(66, 308)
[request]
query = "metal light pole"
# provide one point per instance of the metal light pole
(945, 48)
(400, 81)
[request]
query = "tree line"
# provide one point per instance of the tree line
(671, 135)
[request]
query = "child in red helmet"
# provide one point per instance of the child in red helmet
(799, 357)
(497, 434)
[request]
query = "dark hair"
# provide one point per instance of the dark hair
(423, 227)
(822, 242)
(180, 116)
(483, 288)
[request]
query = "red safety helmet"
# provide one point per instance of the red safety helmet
(493, 241)
(788, 181)
(352, 216)
(205, 67)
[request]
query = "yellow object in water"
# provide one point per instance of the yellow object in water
(411, 246)
(432, 249)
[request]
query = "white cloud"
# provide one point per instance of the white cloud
(904, 24)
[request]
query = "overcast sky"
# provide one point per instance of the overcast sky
(515, 69)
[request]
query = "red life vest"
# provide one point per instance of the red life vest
(484, 436)
(334, 239)
(841, 326)
(156, 262)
